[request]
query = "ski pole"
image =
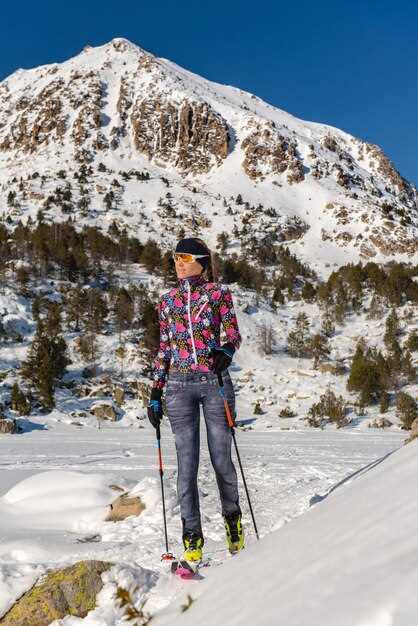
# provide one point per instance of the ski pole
(167, 556)
(231, 424)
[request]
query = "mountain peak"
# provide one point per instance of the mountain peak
(120, 107)
(117, 44)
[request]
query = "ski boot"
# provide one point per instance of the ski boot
(234, 532)
(193, 544)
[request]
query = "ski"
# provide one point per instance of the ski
(188, 569)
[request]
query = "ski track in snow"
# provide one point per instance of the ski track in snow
(284, 470)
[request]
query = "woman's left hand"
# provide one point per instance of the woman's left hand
(222, 357)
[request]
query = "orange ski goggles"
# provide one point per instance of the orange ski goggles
(186, 257)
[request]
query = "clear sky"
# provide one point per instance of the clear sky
(351, 64)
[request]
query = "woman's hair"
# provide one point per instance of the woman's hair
(211, 271)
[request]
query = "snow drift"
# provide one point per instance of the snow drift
(349, 561)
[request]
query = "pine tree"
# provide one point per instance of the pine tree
(341, 304)
(331, 406)
(411, 343)
(222, 242)
(327, 324)
(151, 255)
(308, 292)
(384, 402)
(97, 311)
(76, 304)
(298, 338)
(408, 368)
(123, 310)
(88, 347)
(318, 348)
(376, 308)
(18, 401)
(150, 323)
(368, 374)
(406, 409)
(392, 329)
(53, 319)
(46, 361)
(36, 307)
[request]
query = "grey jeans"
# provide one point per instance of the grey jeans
(184, 394)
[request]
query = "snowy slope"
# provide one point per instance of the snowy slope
(334, 197)
(54, 487)
(349, 561)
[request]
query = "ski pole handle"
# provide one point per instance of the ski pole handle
(229, 417)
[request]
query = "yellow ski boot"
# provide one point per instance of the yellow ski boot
(193, 544)
(234, 532)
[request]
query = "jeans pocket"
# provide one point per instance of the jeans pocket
(173, 389)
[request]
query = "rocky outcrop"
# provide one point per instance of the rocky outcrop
(68, 591)
(269, 152)
(8, 426)
(380, 422)
(40, 120)
(191, 135)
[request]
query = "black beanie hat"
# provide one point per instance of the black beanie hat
(193, 246)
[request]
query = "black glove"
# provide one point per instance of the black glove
(155, 407)
(222, 357)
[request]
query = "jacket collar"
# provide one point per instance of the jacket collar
(193, 281)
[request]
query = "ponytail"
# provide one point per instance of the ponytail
(211, 270)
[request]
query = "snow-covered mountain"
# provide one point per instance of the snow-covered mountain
(77, 138)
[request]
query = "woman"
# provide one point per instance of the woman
(189, 358)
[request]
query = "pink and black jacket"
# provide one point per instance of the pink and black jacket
(191, 319)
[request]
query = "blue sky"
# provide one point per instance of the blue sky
(349, 64)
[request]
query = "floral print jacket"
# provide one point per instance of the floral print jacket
(190, 317)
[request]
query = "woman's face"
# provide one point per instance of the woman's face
(184, 270)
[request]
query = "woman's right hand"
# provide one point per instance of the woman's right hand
(155, 408)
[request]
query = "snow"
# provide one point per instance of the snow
(350, 560)
(55, 486)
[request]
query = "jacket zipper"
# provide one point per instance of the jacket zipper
(190, 322)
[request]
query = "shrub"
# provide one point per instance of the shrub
(287, 412)
(329, 406)
(257, 409)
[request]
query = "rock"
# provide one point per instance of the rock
(380, 422)
(190, 135)
(8, 426)
(68, 591)
(89, 371)
(124, 506)
(414, 430)
(104, 411)
(118, 395)
(144, 391)
(333, 368)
